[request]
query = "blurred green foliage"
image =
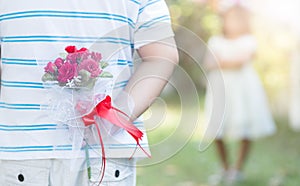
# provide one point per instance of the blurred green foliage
(202, 21)
(273, 161)
(197, 17)
(275, 42)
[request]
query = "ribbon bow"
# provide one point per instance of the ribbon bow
(105, 110)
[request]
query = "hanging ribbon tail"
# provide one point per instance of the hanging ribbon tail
(107, 111)
(103, 165)
(89, 119)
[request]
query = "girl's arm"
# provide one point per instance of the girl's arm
(233, 64)
(238, 63)
(242, 60)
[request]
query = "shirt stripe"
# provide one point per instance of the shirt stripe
(136, 2)
(155, 21)
(34, 127)
(41, 85)
(150, 2)
(34, 62)
(66, 14)
(66, 39)
(121, 62)
(19, 106)
(120, 84)
(19, 84)
(64, 147)
(43, 127)
(26, 62)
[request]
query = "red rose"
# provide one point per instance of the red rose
(82, 49)
(71, 49)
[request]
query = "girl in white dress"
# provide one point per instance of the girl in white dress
(246, 115)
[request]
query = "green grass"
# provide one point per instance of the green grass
(271, 159)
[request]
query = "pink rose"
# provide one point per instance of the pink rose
(91, 66)
(96, 56)
(67, 72)
(50, 68)
(77, 57)
(72, 58)
(83, 55)
(59, 62)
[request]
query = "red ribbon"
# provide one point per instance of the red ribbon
(105, 110)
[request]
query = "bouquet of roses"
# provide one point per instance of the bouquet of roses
(80, 107)
(76, 68)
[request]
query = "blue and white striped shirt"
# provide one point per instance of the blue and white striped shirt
(34, 33)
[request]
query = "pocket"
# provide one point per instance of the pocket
(116, 170)
(24, 174)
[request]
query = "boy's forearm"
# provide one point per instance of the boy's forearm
(147, 83)
(151, 76)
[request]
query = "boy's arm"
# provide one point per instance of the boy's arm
(147, 82)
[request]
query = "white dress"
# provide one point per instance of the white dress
(294, 116)
(246, 111)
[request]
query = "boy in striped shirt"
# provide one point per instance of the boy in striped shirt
(34, 150)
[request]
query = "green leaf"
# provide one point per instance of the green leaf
(91, 83)
(48, 77)
(63, 55)
(85, 77)
(106, 75)
(103, 64)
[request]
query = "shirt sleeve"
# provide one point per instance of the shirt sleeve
(153, 24)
